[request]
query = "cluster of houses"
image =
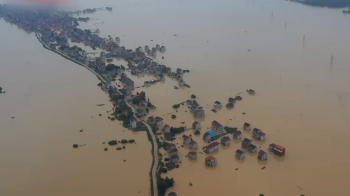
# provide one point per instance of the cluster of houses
(147, 65)
(174, 156)
(56, 28)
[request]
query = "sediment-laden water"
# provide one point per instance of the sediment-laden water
(302, 100)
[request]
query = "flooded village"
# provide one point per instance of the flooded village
(223, 134)
(54, 29)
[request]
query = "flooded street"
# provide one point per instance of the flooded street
(302, 101)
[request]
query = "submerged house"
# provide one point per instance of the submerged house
(166, 128)
(192, 155)
(252, 148)
(196, 125)
(211, 147)
(133, 122)
(217, 126)
(258, 134)
(277, 149)
(159, 121)
(230, 105)
(174, 159)
(231, 100)
(147, 83)
(225, 141)
(171, 148)
(193, 145)
(262, 155)
(209, 135)
(240, 154)
(237, 135)
(170, 165)
(217, 104)
(246, 143)
(247, 126)
(211, 161)
(199, 113)
(169, 136)
(251, 91)
(186, 139)
(151, 120)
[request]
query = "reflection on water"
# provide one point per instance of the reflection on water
(301, 103)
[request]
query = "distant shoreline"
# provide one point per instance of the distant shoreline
(325, 3)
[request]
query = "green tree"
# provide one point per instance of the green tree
(164, 184)
(193, 96)
(197, 132)
(231, 129)
(164, 170)
(131, 141)
(136, 100)
(112, 142)
(75, 145)
(173, 116)
(142, 96)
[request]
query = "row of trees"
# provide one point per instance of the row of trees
(231, 129)
(164, 184)
(123, 141)
(177, 130)
(0, 89)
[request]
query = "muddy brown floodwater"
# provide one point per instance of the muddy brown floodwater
(302, 101)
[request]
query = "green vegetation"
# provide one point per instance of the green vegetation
(164, 170)
(141, 129)
(325, 3)
(186, 71)
(109, 67)
(119, 148)
(0, 90)
(176, 106)
(167, 159)
(190, 184)
(164, 184)
(113, 142)
(173, 116)
(131, 141)
(75, 145)
(123, 147)
(149, 104)
(106, 149)
(124, 141)
(193, 96)
(177, 130)
(100, 114)
(231, 129)
(125, 119)
(136, 100)
(100, 84)
(261, 195)
(197, 132)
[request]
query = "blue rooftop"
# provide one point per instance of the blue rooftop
(246, 140)
(238, 151)
(211, 133)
